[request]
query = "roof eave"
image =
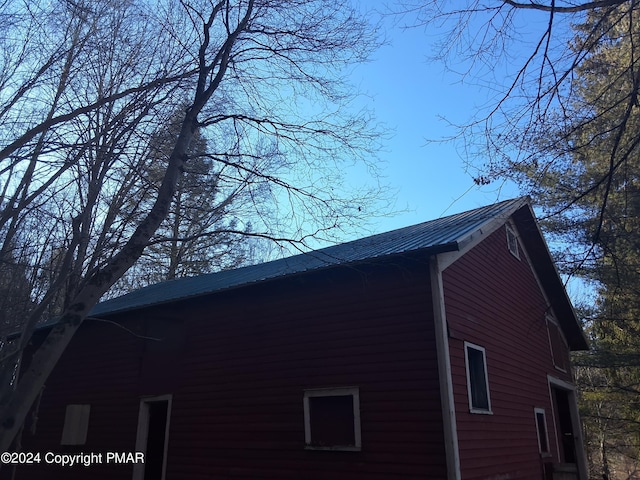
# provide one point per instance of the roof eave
(427, 251)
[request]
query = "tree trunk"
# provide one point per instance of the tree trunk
(44, 360)
(606, 471)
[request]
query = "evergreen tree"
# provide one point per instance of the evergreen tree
(203, 231)
(85, 87)
(562, 121)
(587, 179)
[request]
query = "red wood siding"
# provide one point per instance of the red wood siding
(107, 385)
(238, 370)
(492, 299)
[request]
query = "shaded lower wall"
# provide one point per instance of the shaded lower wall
(237, 364)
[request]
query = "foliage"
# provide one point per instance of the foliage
(585, 172)
(564, 125)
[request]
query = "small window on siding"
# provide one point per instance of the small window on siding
(541, 428)
(512, 242)
(477, 380)
(559, 348)
(332, 419)
(76, 425)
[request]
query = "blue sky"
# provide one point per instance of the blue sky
(409, 94)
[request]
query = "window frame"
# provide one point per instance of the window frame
(354, 392)
(76, 424)
(540, 411)
(554, 331)
(512, 241)
(472, 407)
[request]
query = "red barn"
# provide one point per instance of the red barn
(437, 351)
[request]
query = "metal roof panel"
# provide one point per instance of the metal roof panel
(436, 235)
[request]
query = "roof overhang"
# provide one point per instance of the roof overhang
(544, 266)
(521, 214)
(458, 234)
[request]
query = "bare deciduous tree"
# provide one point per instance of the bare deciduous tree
(86, 91)
(529, 55)
(565, 126)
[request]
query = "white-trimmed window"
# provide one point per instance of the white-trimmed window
(332, 419)
(559, 348)
(512, 242)
(541, 428)
(76, 425)
(477, 379)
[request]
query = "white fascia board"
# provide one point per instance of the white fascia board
(470, 240)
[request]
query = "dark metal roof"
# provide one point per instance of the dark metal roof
(442, 234)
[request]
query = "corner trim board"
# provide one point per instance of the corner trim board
(444, 372)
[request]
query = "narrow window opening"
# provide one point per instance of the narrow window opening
(541, 427)
(477, 380)
(512, 242)
(559, 348)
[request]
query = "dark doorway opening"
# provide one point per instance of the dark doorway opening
(567, 438)
(154, 456)
(153, 428)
